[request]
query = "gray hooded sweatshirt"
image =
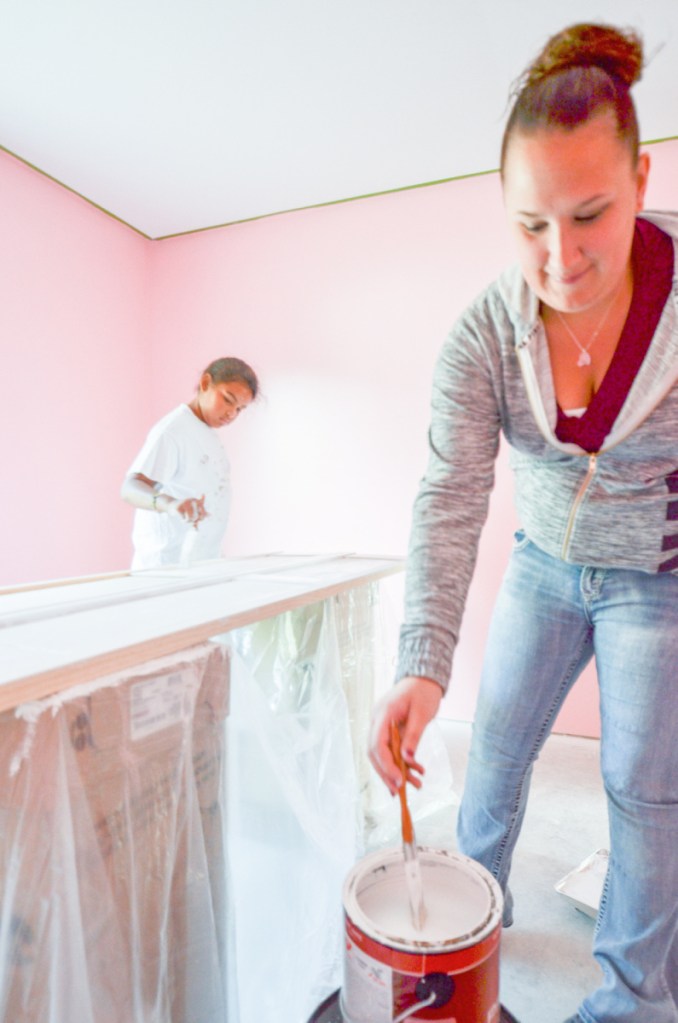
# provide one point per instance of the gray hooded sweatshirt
(617, 508)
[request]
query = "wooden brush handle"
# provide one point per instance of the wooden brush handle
(408, 830)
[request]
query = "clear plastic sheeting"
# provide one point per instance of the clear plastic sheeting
(174, 839)
(303, 800)
(294, 797)
(113, 869)
(351, 631)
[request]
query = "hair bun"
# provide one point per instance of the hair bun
(619, 52)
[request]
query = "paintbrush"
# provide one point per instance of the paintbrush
(415, 888)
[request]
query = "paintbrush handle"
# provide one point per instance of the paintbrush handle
(408, 830)
(412, 868)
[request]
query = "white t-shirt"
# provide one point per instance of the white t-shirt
(187, 457)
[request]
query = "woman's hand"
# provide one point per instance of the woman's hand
(412, 703)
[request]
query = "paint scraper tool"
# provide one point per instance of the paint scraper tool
(415, 888)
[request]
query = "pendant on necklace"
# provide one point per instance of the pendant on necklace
(584, 358)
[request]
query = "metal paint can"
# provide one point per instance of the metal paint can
(448, 971)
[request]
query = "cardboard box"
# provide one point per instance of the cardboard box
(111, 860)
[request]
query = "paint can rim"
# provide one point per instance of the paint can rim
(379, 862)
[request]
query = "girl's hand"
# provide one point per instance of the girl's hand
(191, 509)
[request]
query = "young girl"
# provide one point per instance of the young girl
(573, 355)
(179, 481)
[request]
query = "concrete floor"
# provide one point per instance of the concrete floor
(546, 961)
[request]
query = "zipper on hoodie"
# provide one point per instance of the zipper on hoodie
(593, 462)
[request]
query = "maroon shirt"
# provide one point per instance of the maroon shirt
(652, 259)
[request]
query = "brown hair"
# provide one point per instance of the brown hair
(580, 72)
(230, 368)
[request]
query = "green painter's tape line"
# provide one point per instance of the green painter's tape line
(73, 191)
(357, 198)
(331, 202)
(275, 213)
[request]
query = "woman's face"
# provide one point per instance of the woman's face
(219, 403)
(571, 197)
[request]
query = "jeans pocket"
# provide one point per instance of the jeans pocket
(520, 540)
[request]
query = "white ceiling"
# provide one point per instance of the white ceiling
(176, 115)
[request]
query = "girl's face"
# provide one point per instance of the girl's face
(219, 403)
(571, 197)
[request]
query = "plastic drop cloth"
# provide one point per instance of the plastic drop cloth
(164, 860)
(113, 873)
(304, 802)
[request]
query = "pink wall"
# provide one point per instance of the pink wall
(73, 322)
(342, 310)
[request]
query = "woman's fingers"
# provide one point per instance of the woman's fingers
(411, 704)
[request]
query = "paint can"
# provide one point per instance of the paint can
(448, 971)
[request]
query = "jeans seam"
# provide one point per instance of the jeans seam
(603, 902)
(664, 982)
(543, 734)
(629, 626)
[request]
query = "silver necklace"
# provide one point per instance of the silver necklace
(584, 357)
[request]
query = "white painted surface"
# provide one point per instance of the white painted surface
(62, 636)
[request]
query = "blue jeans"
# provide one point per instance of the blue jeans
(549, 620)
